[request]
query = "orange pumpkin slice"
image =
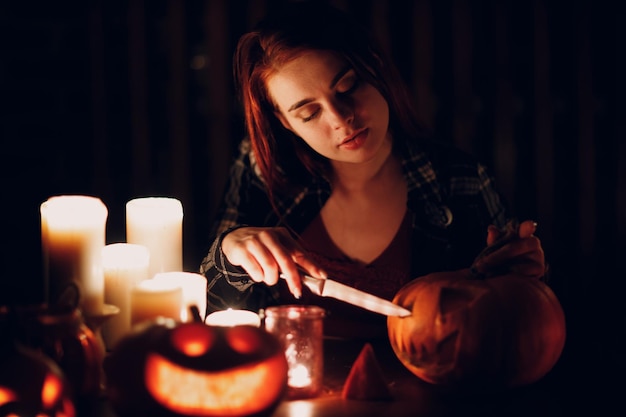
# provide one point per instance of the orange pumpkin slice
(366, 381)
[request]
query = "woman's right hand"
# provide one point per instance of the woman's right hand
(267, 252)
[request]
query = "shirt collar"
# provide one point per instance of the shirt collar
(425, 194)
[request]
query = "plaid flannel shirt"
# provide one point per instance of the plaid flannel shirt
(451, 200)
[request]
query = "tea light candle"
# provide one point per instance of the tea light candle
(230, 317)
(156, 223)
(125, 265)
(299, 375)
(150, 299)
(73, 235)
(194, 290)
(300, 330)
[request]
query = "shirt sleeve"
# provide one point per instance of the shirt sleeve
(476, 204)
(471, 194)
(245, 202)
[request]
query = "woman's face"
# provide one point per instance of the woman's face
(321, 99)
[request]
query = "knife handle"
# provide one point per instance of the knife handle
(316, 285)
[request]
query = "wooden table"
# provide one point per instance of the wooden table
(411, 396)
(579, 383)
(586, 380)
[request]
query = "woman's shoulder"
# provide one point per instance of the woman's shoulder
(449, 170)
(244, 162)
(449, 161)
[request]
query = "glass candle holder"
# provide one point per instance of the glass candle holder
(300, 330)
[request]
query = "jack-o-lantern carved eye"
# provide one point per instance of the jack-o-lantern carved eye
(51, 391)
(452, 300)
(243, 339)
(193, 340)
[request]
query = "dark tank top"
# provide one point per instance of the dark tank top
(383, 277)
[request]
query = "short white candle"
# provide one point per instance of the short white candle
(125, 265)
(151, 299)
(230, 317)
(194, 290)
(156, 223)
(73, 231)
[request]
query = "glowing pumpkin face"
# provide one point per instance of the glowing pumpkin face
(507, 330)
(32, 384)
(191, 369)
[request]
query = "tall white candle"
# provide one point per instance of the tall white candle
(73, 231)
(156, 223)
(125, 265)
(194, 288)
(151, 299)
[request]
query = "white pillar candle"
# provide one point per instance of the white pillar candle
(194, 288)
(156, 223)
(125, 265)
(230, 317)
(151, 299)
(73, 231)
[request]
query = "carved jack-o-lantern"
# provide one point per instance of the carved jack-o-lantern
(191, 369)
(507, 330)
(31, 384)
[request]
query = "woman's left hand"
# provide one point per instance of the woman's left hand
(520, 253)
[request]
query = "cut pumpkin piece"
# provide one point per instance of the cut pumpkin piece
(366, 381)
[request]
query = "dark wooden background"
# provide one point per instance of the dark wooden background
(121, 99)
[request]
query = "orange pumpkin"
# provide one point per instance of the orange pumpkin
(504, 331)
(32, 384)
(192, 369)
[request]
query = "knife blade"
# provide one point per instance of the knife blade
(339, 291)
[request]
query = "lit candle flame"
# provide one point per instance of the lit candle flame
(299, 376)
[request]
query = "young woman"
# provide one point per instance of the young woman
(335, 179)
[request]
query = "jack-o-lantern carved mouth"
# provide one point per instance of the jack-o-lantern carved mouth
(227, 392)
(441, 350)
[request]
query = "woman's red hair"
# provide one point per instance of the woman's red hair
(298, 28)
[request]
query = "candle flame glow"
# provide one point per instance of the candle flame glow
(299, 376)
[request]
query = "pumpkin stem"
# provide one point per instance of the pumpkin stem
(509, 232)
(194, 312)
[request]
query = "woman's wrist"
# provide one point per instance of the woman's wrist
(234, 274)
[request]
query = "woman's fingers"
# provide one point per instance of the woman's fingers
(282, 247)
(493, 233)
(249, 253)
(522, 254)
(527, 228)
(309, 267)
(266, 253)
